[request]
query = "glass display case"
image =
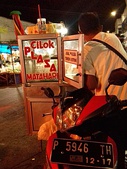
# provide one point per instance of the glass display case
(40, 57)
(10, 67)
(73, 60)
(41, 60)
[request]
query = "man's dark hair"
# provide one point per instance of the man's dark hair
(89, 23)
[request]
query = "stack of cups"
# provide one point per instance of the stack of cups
(41, 22)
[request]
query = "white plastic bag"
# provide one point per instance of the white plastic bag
(46, 130)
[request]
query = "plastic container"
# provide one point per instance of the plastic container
(41, 23)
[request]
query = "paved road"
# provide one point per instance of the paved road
(18, 150)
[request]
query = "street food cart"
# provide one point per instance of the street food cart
(48, 60)
(9, 64)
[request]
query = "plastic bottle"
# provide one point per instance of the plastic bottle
(41, 22)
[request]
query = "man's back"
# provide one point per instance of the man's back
(99, 61)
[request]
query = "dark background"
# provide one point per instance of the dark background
(67, 11)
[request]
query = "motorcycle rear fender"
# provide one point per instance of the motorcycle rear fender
(115, 152)
(55, 110)
(49, 150)
(94, 103)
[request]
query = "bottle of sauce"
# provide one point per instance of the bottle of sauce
(41, 23)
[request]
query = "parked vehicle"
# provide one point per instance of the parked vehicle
(92, 130)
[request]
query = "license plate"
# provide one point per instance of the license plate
(82, 153)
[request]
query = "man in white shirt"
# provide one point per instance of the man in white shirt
(99, 61)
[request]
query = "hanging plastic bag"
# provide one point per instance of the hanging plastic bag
(46, 130)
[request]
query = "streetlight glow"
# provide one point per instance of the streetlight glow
(113, 13)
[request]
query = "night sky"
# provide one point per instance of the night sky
(67, 11)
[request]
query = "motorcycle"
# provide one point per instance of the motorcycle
(91, 129)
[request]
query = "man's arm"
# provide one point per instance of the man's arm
(91, 82)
